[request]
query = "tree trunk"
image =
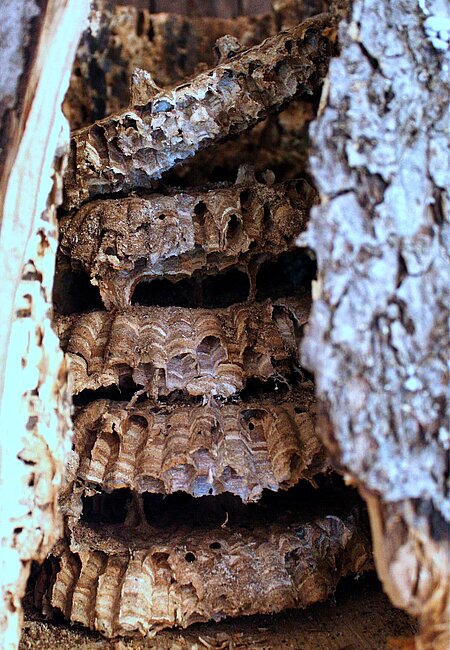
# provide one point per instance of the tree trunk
(41, 40)
(377, 336)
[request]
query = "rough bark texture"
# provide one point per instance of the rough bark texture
(133, 148)
(143, 576)
(378, 334)
(38, 47)
(121, 242)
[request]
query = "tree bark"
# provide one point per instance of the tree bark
(377, 336)
(40, 41)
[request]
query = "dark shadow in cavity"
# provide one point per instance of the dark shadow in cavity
(286, 275)
(73, 293)
(199, 291)
(299, 503)
(104, 508)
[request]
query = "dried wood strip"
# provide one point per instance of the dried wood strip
(241, 448)
(199, 351)
(132, 148)
(176, 577)
(120, 242)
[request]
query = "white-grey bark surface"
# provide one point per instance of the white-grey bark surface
(378, 334)
(378, 337)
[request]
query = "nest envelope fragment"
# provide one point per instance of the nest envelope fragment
(133, 148)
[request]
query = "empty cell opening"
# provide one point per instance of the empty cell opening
(234, 228)
(287, 275)
(104, 508)
(124, 392)
(200, 212)
(73, 293)
(330, 496)
(225, 289)
(199, 291)
(164, 293)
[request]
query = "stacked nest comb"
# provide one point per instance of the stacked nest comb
(191, 491)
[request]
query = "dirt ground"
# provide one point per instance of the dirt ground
(360, 618)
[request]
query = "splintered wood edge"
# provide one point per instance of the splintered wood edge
(147, 581)
(132, 148)
(241, 448)
(181, 233)
(34, 404)
(201, 351)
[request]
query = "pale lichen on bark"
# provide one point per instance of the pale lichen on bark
(378, 335)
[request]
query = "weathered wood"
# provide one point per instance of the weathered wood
(133, 148)
(38, 47)
(378, 334)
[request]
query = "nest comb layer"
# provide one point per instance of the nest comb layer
(241, 447)
(199, 351)
(120, 242)
(128, 579)
(133, 148)
(173, 47)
